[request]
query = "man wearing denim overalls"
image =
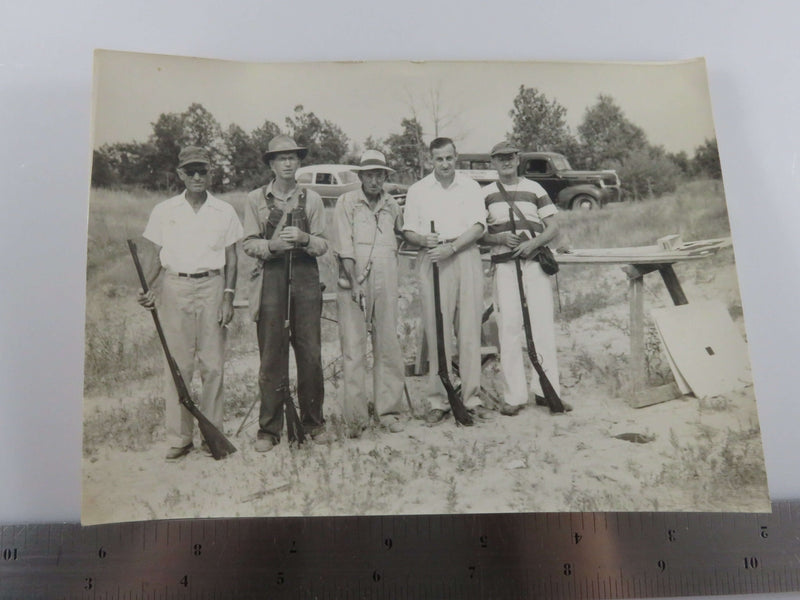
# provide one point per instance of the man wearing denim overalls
(268, 238)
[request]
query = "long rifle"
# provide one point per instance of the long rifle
(460, 412)
(294, 428)
(550, 395)
(218, 444)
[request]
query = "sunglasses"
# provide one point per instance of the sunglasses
(192, 171)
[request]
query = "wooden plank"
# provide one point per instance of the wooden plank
(655, 395)
(638, 367)
(673, 285)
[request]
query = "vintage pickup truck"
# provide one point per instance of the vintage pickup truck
(567, 188)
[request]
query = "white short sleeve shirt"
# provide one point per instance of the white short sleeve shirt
(453, 209)
(193, 242)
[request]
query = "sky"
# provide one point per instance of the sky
(670, 101)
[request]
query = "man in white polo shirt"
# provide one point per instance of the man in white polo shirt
(455, 204)
(195, 239)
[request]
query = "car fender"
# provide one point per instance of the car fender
(566, 195)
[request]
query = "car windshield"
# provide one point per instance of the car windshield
(561, 163)
(348, 177)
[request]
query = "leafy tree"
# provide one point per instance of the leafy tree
(608, 136)
(538, 123)
(406, 151)
(102, 171)
(246, 169)
(682, 161)
(706, 160)
(648, 172)
(326, 142)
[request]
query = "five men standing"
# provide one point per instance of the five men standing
(284, 226)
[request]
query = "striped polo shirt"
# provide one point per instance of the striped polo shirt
(530, 198)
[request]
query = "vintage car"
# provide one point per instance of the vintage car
(331, 181)
(566, 187)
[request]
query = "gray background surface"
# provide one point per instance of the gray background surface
(752, 52)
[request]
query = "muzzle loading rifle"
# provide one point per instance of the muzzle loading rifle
(550, 395)
(294, 428)
(218, 444)
(460, 412)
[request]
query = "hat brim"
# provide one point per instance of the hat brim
(373, 168)
(300, 151)
(194, 161)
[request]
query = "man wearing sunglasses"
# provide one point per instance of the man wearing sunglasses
(194, 237)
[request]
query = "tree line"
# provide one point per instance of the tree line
(605, 139)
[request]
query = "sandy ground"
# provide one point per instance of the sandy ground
(689, 454)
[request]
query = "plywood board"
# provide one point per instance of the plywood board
(705, 346)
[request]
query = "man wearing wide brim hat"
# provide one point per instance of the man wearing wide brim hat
(269, 238)
(366, 220)
(283, 143)
(195, 237)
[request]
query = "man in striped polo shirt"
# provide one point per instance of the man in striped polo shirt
(534, 203)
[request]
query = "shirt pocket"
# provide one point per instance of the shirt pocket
(214, 234)
(363, 227)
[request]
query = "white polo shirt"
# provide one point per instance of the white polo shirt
(193, 242)
(453, 209)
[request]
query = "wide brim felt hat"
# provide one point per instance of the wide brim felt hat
(283, 143)
(371, 160)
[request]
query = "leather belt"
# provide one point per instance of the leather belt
(200, 275)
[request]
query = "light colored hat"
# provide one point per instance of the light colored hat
(373, 159)
(193, 154)
(504, 148)
(283, 143)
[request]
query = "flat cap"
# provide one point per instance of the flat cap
(193, 154)
(504, 148)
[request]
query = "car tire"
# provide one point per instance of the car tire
(584, 202)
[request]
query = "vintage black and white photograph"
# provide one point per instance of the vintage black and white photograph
(391, 288)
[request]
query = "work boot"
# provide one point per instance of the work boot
(393, 424)
(510, 410)
(435, 415)
(264, 445)
(481, 413)
(323, 436)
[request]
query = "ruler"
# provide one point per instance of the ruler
(498, 556)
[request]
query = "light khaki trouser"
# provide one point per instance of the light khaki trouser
(188, 309)
(381, 293)
(461, 292)
(513, 347)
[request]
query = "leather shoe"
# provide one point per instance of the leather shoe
(434, 416)
(355, 430)
(484, 414)
(326, 436)
(264, 445)
(510, 410)
(394, 425)
(175, 453)
(205, 449)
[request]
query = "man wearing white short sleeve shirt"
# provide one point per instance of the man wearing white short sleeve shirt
(455, 204)
(195, 239)
(534, 203)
